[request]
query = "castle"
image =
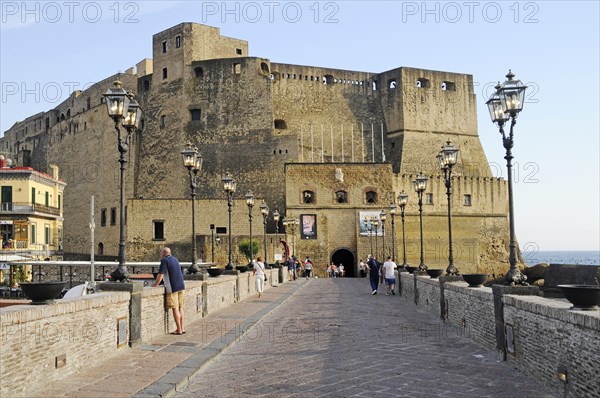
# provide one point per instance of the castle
(323, 145)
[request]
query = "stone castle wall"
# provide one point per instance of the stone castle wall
(254, 118)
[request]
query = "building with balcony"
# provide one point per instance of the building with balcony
(31, 215)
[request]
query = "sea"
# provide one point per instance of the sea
(590, 257)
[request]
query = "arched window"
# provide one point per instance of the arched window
(328, 79)
(264, 68)
(371, 197)
(100, 249)
(392, 84)
(341, 197)
(280, 124)
(308, 197)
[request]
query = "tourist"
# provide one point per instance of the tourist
(341, 270)
(259, 272)
(307, 267)
(170, 272)
(291, 264)
(328, 271)
(362, 268)
(373, 267)
(390, 279)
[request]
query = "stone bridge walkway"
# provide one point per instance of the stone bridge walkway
(315, 338)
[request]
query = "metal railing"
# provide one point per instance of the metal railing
(28, 208)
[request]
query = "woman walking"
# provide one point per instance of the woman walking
(259, 272)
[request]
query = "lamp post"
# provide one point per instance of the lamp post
(393, 216)
(447, 159)
(402, 200)
(375, 226)
(276, 216)
(505, 104)
(369, 228)
(264, 210)
(420, 184)
(382, 218)
(229, 188)
(292, 223)
(123, 109)
(192, 160)
(250, 203)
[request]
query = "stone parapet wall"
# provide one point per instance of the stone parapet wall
(544, 337)
(429, 294)
(55, 341)
(471, 309)
(549, 339)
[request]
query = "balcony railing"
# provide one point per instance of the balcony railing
(28, 208)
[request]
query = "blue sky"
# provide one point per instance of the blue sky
(47, 49)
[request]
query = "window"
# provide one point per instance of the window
(423, 83)
(159, 229)
(428, 198)
(238, 51)
(103, 217)
(196, 114)
(113, 216)
(33, 234)
(100, 249)
(178, 41)
(341, 197)
(371, 197)
(164, 73)
(146, 85)
(198, 72)
(237, 68)
(163, 121)
(392, 84)
(59, 204)
(32, 196)
(47, 235)
(164, 47)
(264, 68)
(448, 86)
(308, 197)
(374, 85)
(47, 199)
(280, 124)
(467, 200)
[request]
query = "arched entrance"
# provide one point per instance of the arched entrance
(345, 256)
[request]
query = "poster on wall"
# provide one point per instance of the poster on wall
(309, 226)
(366, 226)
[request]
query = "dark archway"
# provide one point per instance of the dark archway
(345, 256)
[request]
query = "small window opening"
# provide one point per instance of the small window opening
(196, 114)
(280, 124)
(392, 84)
(198, 72)
(341, 197)
(164, 47)
(423, 83)
(308, 197)
(448, 86)
(178, 41)
(164, 73)
(371, 197)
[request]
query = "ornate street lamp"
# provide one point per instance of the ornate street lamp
(250, 203)
(264, 210)
(369, 228)
(276, 219)
(291, 223)
(420, 184)
(383, 217)
(447, 159)
(192, 160)
(229, 188)
(505, 104)
(122, 108)
(375, 226)
(402, 200)
(393, 216)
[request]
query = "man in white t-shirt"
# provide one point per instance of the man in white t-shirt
(390, 279)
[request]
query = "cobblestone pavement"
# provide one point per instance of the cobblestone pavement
(332, 338)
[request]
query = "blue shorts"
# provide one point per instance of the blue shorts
(390, 281)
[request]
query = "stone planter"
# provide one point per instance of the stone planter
(475, 280)
(242, 268)
(434, 273)
(411, 269)
(42, 292)
(214, 272)
(583, 297)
